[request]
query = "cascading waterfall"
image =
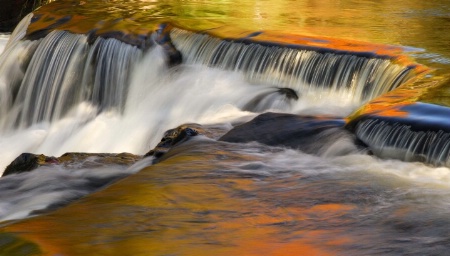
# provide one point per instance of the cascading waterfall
(358, 77)
(394, 140)
(108, 83)
(49, 87)
(109, 66)
(65, 71)
(279, 144)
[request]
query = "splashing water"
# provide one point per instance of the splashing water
(116, 106)
(62, 94)
(3, 40)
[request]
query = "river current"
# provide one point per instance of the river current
(214, 197)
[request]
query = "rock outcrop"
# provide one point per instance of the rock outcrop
(27, 162)
(310, 134)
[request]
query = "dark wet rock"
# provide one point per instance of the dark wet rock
(173, 56)
(28, 162)
(306, 133)
(275, 98)
(92, 160)
(162, 37)
(175, 136)
(289, 93)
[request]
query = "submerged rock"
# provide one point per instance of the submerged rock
(182, 133)
(27, 162)
(277, 98)
(175, 136)
(86, 160)
(162, 37)
(315, 135)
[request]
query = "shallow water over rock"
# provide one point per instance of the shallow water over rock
(289, 130)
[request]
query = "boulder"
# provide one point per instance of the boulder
(27, 162)
(314, 135)
(173, 137)
(275, 98)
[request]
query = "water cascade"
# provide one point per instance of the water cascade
(200, 142)
(50, 85)
(358, 77)
(63, 70)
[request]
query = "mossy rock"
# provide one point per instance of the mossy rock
(27, 162)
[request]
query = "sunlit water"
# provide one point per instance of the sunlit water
(3, 40)
(284, 196)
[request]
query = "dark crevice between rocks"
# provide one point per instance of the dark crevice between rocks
(12, 12)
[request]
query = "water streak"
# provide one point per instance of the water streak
(358, 77)
(31, 193)
(394, 140)
(61, 71)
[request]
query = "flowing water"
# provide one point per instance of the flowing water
(3, 40)
(230, 196)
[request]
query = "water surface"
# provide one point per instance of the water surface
(209, 197)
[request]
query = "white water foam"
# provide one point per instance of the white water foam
(25, 193)
(357, 77)
(159, 99)
(3, 41)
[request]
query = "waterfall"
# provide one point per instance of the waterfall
(42, 80)
(399, 141)
(60, 71)
(422, 134)
(360, 77)
(65, 92)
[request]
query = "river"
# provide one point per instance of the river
(217, 194)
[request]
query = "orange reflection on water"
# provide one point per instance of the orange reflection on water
(391, 103)
(180, 207)
(284, 38)
(108, 19)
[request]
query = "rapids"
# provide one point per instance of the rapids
(360, 164)
(3, 40)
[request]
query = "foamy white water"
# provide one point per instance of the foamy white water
(129, 112)
(37, 190)
(3, 41)
(51, 185)
(159, 99)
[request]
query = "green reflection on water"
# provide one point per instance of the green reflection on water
(420, 24)
(403, 22)
(413, 23)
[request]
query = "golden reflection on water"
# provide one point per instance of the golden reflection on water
(406, 22)
(181, 206)
(190, 205)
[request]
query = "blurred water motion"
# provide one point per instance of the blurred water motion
(209, 197)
